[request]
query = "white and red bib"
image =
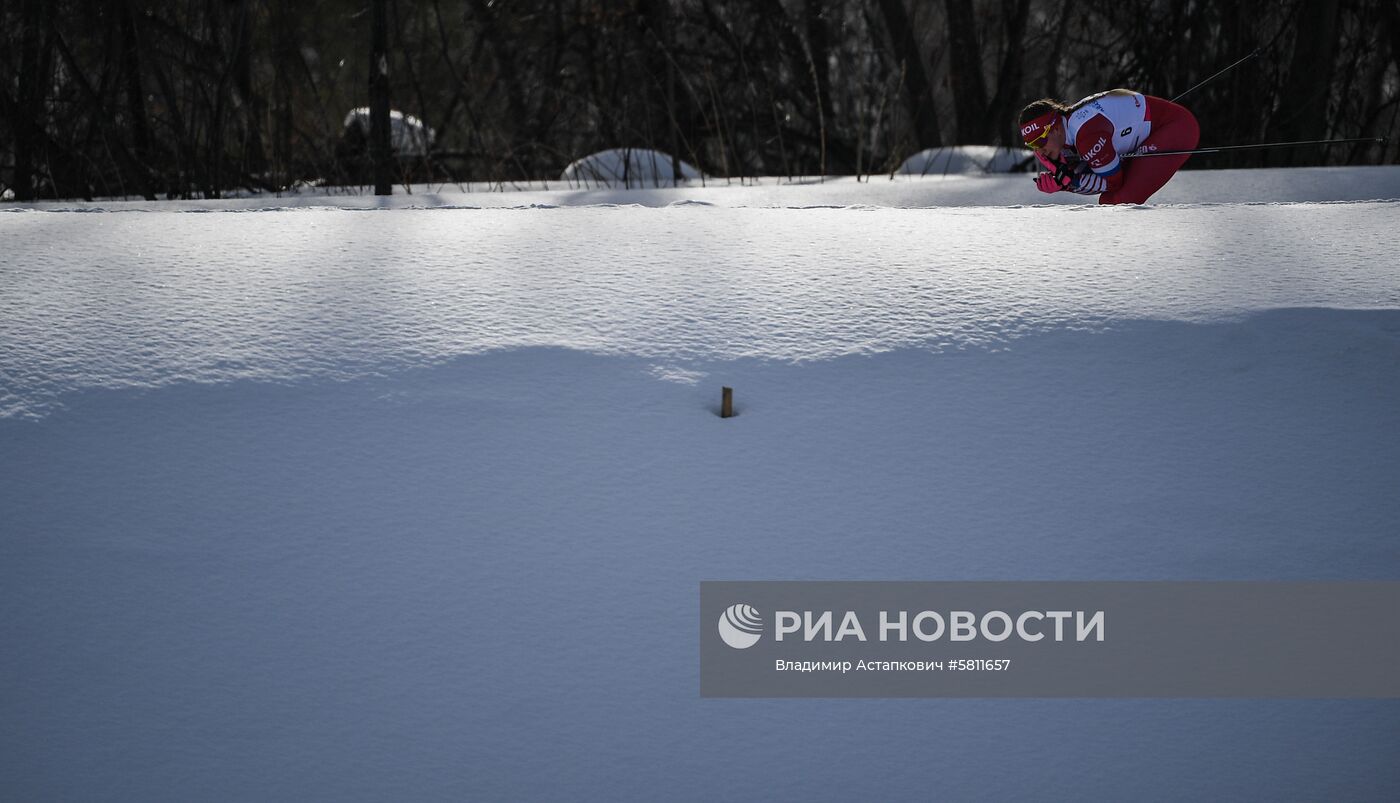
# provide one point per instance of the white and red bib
(1104, 126)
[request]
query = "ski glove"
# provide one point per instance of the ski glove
(1057, 179)
(1046, 182)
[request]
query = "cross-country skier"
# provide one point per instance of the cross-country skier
(1082, 146)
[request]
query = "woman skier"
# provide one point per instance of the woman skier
(1082, 146)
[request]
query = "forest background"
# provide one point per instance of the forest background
(202, 98)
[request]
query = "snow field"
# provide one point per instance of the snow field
(331, 504)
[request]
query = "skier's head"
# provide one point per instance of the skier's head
(1042, 126)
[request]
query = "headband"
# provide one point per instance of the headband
(1031, 131)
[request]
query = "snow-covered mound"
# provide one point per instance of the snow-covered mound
(684, 282)
(964, 159)
(627, 167)
(408, 136)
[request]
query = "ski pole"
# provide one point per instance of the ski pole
(1135, 154)
(1217, 75)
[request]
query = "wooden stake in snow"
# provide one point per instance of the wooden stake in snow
(726, 405)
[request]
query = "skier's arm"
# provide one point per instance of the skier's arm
(1095, 145)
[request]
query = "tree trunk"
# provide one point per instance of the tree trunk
(380, 151)
(918, 91)
(965, 73)
(136, 102)
(1240, 122)
(514, 127)
(253, 157)
(1006, 102)
(819, 45)
(31, 93)
(661, 85)
(1057, 46)
(1303, 108)
(284, 59)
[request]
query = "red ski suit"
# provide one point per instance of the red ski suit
(1104, 127)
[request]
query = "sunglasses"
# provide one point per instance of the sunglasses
(1039, 142)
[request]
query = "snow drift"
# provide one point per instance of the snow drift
(964, 159)
(627, 167)
(408, 136)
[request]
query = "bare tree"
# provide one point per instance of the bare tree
(136, 101)
(1303, 112)
(965, 73)
(1007, 99)
(381, 154)
(917, 88)
(203, 96)
(27, 115)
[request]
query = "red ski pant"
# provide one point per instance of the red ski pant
(1173, 129)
